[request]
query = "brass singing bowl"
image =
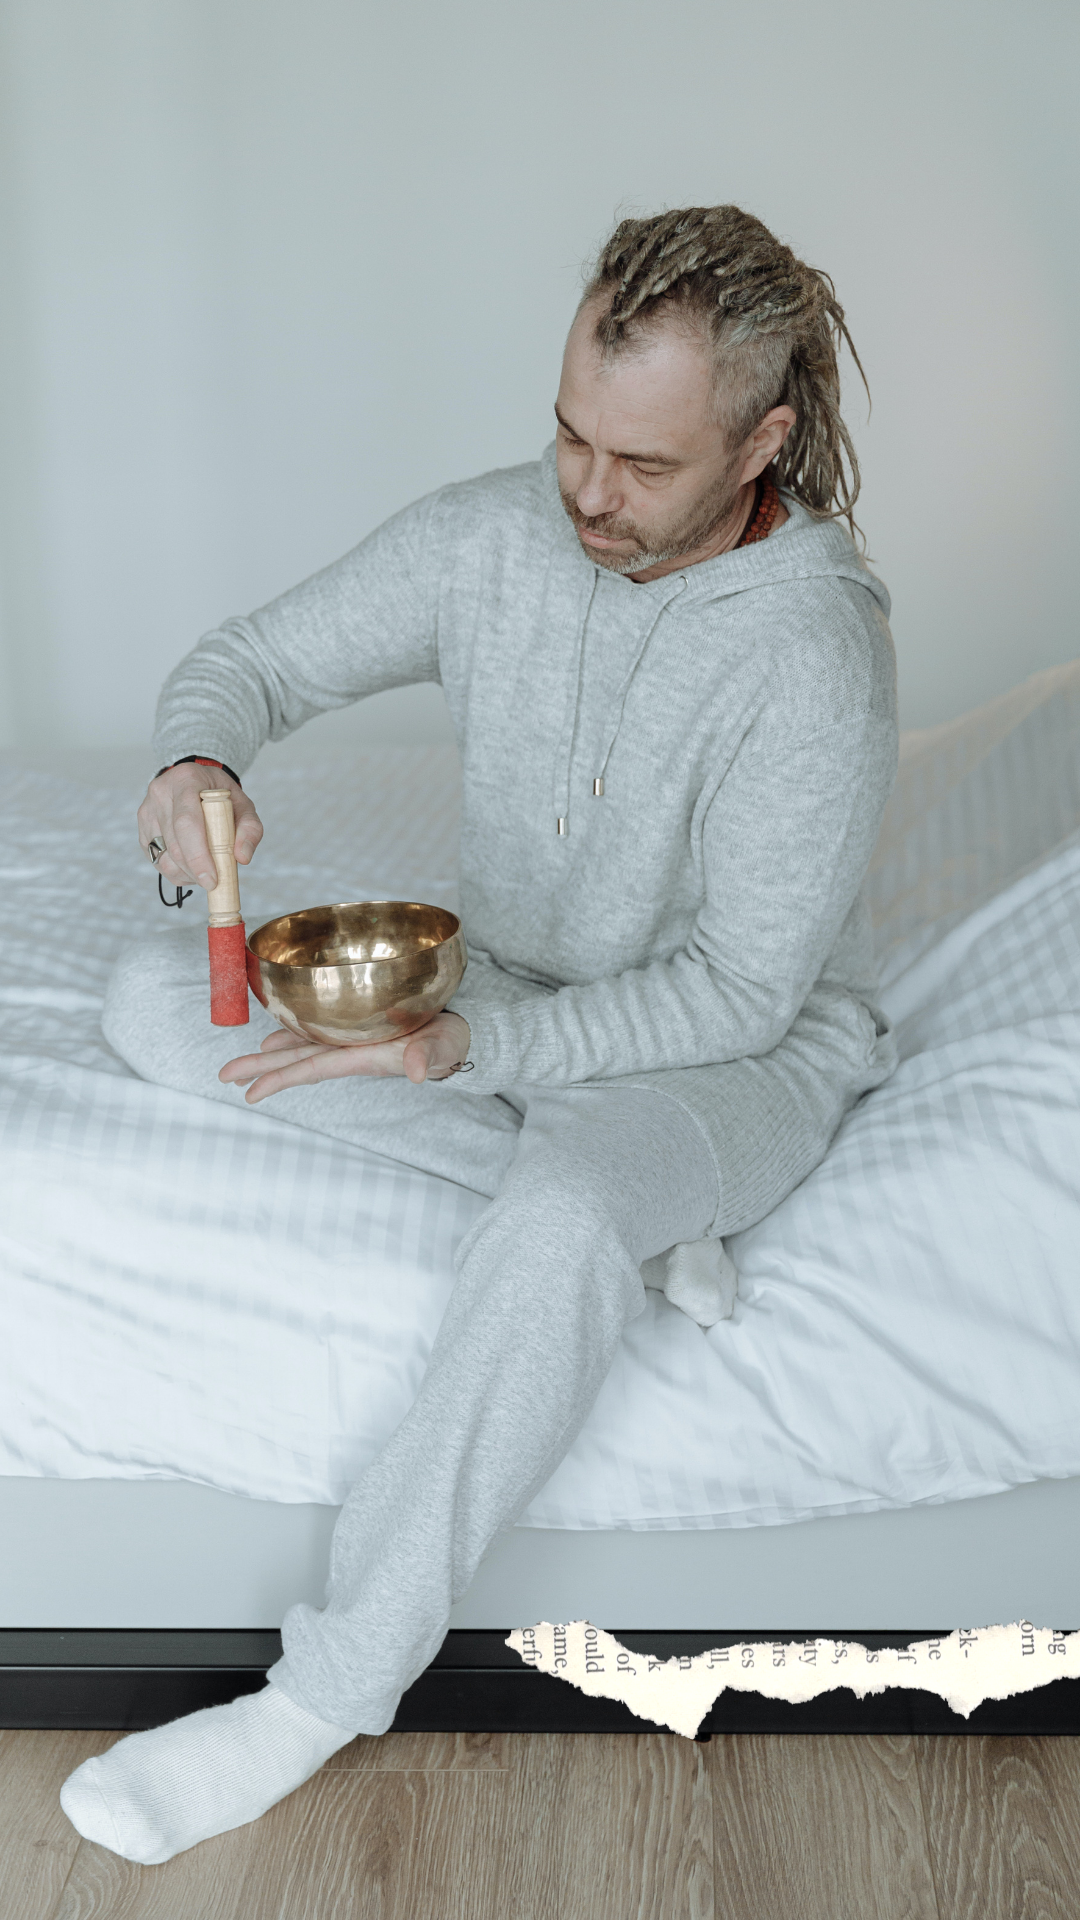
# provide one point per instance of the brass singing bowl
(362, 971)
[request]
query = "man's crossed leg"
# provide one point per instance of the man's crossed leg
(591, 1181)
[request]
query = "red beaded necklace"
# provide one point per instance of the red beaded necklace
(766, 507)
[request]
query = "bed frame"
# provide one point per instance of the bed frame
(152, 1598)
(125, 1679)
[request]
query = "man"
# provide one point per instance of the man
(673, 686)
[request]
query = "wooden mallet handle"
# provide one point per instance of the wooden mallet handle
(227, 940)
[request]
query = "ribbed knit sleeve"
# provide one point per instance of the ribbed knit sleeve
(364, 624)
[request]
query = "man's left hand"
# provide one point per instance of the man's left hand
(430, 1053)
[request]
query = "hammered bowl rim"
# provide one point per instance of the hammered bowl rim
(334, 966)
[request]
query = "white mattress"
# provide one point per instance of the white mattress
(197, 1293)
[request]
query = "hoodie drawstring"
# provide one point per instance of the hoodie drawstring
(562, 797)
(598, 783)
(562, 822)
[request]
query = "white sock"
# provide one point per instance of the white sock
(701, 1281)
(698, 1277)
(157, 1793)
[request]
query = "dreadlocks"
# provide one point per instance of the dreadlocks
(773, 326)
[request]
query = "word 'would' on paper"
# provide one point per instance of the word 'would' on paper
(965, 1668)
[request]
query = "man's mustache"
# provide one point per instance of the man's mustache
(606, 524)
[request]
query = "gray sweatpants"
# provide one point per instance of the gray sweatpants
(586, 1183)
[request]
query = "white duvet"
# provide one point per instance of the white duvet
(193, 1292)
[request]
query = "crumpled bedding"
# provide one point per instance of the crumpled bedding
(191, 1291)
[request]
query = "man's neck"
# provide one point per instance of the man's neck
(724, 537)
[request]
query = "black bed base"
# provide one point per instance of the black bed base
(133, 1678)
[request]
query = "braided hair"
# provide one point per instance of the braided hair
(773, 325)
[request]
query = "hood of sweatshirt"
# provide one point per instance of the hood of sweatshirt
(803, 548)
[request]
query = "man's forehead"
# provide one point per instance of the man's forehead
(654, 407)
(625, 434)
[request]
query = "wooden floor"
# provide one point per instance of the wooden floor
(589, 1827)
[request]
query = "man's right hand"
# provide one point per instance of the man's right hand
(172, 813)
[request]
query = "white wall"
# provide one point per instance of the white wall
(275, 267)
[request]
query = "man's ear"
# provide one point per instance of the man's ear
(766, 441)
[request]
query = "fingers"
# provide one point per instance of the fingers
(168, 869)
(434, 1051)
(301, 1065)
(421, 1056)
(286, 1061)
(322, 1063)
(249, 828)
(249, 1066)
(172, 812)
(283, 1037)
(167, 814)
(187, 841)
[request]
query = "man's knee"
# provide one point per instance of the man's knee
(549, 1248)
(156, 999)
(566, 1180)
(623, 1162)
(555, 1227)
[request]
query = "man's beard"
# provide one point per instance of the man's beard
(668, 543)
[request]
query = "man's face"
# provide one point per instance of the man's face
(645, 472)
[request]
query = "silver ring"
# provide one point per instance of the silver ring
(156, 849)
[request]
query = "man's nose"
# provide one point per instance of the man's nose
(599, 493)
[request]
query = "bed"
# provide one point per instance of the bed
(211, 1318)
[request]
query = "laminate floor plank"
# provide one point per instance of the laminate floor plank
(588, 1827)
(421, 1753)
(38, 1844)
(202, 1884)
(819, 1827)
(1003, 1822)
(608, 1827)
(368, 1845)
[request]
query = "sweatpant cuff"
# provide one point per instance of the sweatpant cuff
(369, 1715)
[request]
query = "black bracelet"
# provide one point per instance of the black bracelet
(200, 760)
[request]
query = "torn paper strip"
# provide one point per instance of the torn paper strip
(965, 1668)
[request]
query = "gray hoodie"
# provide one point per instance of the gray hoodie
(671, 790)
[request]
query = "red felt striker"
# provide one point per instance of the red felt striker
(228, 942)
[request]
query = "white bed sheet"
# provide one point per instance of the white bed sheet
(908, 1326)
